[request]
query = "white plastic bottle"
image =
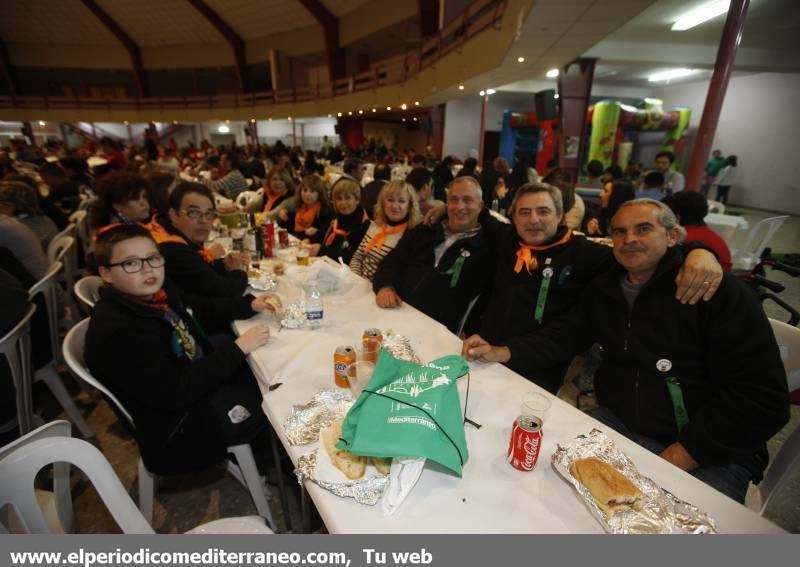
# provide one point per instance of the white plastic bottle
(314, 311)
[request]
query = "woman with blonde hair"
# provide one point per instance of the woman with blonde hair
(396, 212)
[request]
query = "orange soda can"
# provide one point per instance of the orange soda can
(343, 357)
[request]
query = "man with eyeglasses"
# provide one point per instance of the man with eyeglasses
(181, 235)
(700, 385)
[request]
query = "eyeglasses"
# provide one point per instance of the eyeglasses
(195, 214)
(135, 265)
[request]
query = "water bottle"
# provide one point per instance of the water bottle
(314, 307)
(496, 205)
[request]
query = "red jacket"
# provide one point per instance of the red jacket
(702, 233)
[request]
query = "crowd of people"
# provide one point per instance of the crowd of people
(497, 254)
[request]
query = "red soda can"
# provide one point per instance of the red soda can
(283, 237)
(268, 231)
(526, 441)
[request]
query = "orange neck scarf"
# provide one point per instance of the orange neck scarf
(527, 259)
(272, 197)
(161, 234)
(377, 240)
(306, 216)
(336, 231)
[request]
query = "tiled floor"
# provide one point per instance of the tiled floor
(185, 502)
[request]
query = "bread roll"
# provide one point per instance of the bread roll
(351, 465)
(610, 488)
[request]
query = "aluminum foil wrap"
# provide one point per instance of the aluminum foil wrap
(306, 421)
(659, 512)
(400, 347)
(294, 315)
(367, 490)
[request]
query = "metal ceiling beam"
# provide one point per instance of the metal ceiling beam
(126, 40)
(330, 27)
(428, 17)
(233, 39)
(8, 69)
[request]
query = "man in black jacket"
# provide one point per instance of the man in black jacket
(189, 399)
(180, 237)
(442, 269)
(701, 385)
(542, 269)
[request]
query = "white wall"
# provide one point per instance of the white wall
(462, 127)
(760, 124)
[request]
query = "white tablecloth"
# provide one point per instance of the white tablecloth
(492, 496)
(725, 225)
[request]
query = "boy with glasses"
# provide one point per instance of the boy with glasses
(189, 400)
(181, 234)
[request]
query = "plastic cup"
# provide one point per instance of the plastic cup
(302, 256)
(535, 404)
(370, 349)
(359, 374)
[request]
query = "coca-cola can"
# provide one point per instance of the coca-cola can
(526, 441)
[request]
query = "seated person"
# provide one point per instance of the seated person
(396, 212)
(441, 269)
(62, 192)
(226, 179)
(312, 212)
(189, 399)
(691, 208)
(121, 199)
(523, 298)
(181, 236)
(24, 245)
(382, 174)
(652, 186)
(18, 200)
(278, 186)
(346, 230)
(422, 181)
(681, 380)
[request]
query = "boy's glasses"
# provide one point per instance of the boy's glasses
(134, 265)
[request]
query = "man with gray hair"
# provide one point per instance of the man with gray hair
(542, 268)
(441, 269)
(700, 385)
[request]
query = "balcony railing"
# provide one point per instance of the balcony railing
(476, 17)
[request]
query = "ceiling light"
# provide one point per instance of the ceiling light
(175, 122)
(349, 113)
(388, 108)
(404, 106)
(226, 122)
(482, 93)
(461, 87)
(126, 123)
(520, 60)
(361, 112)
(269, 119)
(339, 114)
(223, 129)
(374, 110)
(552, 74)
(404, 119)
(700, 14)
(331, 116)
(415, 119)
(41, 122)
(290, 118)
(416, 103)
(253, 120)
(555, 95)
(670, 74)
(490, 91)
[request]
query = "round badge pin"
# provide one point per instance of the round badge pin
(465, 253)
(547, 272)
(664, 365)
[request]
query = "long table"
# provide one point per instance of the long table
(492, 496)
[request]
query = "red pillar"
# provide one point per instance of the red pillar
(726, 55)
(484, 104)
(574, 89)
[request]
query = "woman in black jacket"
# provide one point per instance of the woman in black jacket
(189, 399)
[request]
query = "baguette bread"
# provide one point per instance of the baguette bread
(610, 488)
(351, 465)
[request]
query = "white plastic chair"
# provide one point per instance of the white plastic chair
(746, 257)
(786, 463)
(246, 472)
(63, 249)
(244, 198)
(716, 207)
(80, 219)
(16, 347)
(49, 373)
(56, 505)
(31, 453)
(87, 290)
